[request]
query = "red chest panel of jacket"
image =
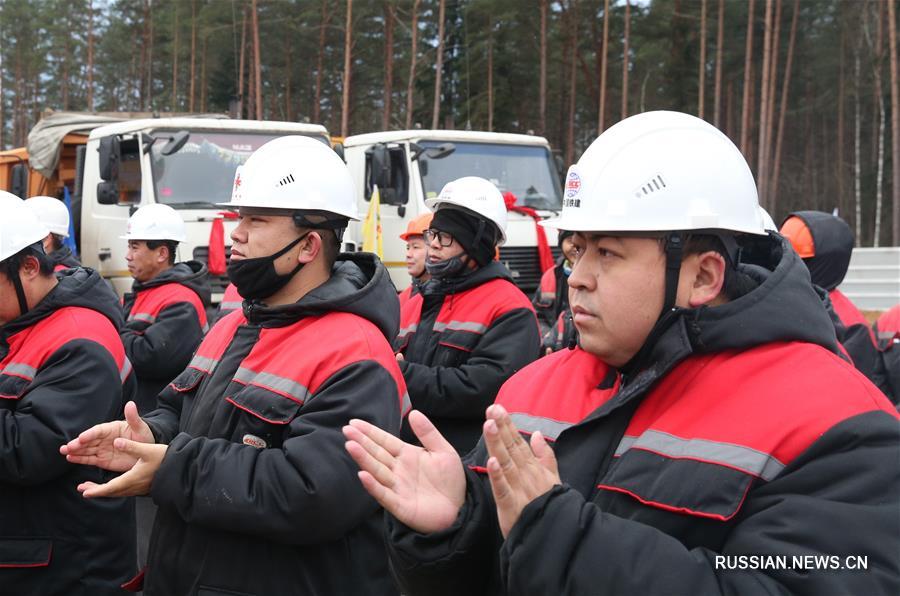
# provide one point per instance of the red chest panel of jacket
(556, 392)
(472, 310)
(295, 360)
(30, 348)
(731, 419)
(149, 303)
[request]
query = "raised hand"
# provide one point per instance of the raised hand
(518, 473)
(95, 446)
(136, 481)
(423, 487)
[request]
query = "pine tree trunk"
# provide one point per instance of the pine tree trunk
(289, 67)
(895, 121)
(388, 63)
(203, 74)
(317, 99)
(175, 62)
(251, 75)
(257, 69)
(490, 75)
(879, 97)
(193, 53)
(785, 86)
(764, 107)
(702, 70)
(439, 66)
(857, 131)
(720, 41)
(573, 51)
(601, 124)
(149, 15)
(770, 112)
(243, 50)
(90, 57)
(414, 29)
(542, 101)
(345, 95)
(748, 84)
(626, 59)
(841, 141)
(65, 80)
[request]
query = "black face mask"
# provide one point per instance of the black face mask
(256, 279)
(447, 268)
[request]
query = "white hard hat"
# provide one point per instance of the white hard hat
(297, 173)
(768, 223)
(661, 171)
(477, 195)
(19, 226)
(155, 222)
(52, 213)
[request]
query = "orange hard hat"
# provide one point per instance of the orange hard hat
(417, 226)
(796, 230)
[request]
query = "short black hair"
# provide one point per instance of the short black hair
(56, 241)
(170, 244)
(12, 265)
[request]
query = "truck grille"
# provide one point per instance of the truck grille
(522, 262)
(217, 283)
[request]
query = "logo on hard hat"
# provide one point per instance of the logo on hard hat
(237, 181)
(573, 184)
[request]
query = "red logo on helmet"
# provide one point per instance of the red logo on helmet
(573, 184)
(237, 181)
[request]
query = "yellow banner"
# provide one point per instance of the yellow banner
(372, 226)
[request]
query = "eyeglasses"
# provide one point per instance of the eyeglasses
(444, 238)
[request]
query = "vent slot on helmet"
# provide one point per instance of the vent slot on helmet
(289, 179)
(655, 184)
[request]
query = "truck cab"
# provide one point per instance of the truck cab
(413, 165)
(187, 163)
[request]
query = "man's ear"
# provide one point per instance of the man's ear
(29, 268)
(310, 247)
(707, 279)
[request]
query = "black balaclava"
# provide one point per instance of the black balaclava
(475, 234)
(834, 244)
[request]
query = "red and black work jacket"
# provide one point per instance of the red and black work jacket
(740, 433)
(256, 493)
(551, 298)
(231, 301)
(63, 369)
(165, 319)
(461, 339)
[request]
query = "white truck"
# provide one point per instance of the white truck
(187, 163)
(410, 166)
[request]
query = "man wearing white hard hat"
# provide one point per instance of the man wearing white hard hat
(62, 368)
(244, 457)
(165, 312)
(55, 216)
(469, 328)
(705, 437)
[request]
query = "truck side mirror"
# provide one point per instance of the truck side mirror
(175, 143)
(109, 158)
(19, 181)
(108, 193)
(380, 171)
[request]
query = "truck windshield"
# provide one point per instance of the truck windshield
(526, 171)
(202, 172)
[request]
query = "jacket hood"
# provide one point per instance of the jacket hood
(77, 287)
(784, 306)
(359, 284)
(454, 285)
(833, 241)
(190, 274)
(64, 256)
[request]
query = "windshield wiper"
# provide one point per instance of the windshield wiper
(193, 205)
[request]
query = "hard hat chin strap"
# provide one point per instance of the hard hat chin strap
(674, 252)
(12, 272)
